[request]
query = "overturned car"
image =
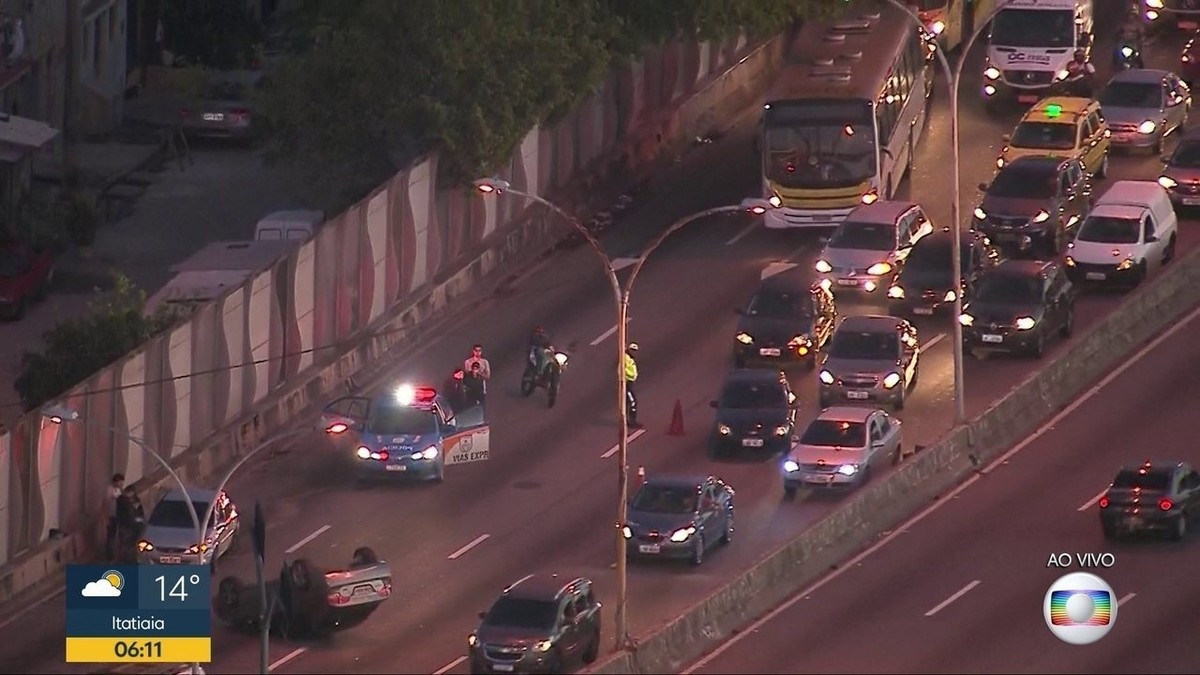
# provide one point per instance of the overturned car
(305, 602)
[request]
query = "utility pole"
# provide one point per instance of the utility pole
(71, 116)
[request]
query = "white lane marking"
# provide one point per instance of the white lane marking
(1126, 598)
(619, 264)
(629, 439)
(30, 607)
(449, 666)
(754, 225)
(608, 333)
(320, 531)
(777, 268)
(948, 498)
(287, 657)
(946, 603)
(1092, 502)
(474, 542)
(933, 341)
(520, 581)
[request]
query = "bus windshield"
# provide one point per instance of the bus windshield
(820, 144)
(1045, 28)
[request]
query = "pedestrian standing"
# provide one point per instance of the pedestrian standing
(116, 488)
(476, 357)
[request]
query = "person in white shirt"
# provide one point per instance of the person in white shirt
(485, 368)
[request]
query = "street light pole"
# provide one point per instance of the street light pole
(621, 293)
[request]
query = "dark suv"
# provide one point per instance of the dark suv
(1151, 497)
(787, 321)
(540, 624)
(926, 283)
(1017, 307)
(1035, 202)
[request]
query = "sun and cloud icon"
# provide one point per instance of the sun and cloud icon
(109, 585)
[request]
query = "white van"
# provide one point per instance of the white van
(1030, 44)
(289, 225)
(1131, 230)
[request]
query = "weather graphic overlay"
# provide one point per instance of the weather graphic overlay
(139, 614)
(1080, 608)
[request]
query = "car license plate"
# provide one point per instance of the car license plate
(993, 338)
(1095, 276)
(502, 667)
(213, 117)
(397, 467)
(649, 548)
(923, 311)
(170, 559)
(768, 351)
(857, 395)
(1191, 201)
(847, 282)
(1027, 98)
(752, 442)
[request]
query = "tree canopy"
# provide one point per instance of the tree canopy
(375, 83)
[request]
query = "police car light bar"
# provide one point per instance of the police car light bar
(406, 394)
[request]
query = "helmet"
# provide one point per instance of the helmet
(633, 346)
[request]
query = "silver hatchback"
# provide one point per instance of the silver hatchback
(871, 359)
(865, 252)
(1143, 107)
(839, 448)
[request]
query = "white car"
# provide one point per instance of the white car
(1130, 231)
(839, 447)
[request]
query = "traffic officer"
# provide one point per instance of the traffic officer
(631, 375)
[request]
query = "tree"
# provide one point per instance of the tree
(377, 83)
(78, 347)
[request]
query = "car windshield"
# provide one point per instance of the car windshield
(1008, 289)
(1044, 136)
(1158, 481)
(394, 420)
(864, 236)
(1187, 155)
(819, 144)
(1132, 95)
(1110, 230)
(522, 613)
(1024, 182)
(1033, 28)
(932, 256)
(12, 264)
(865, 346)
(173, 513)
(752, 396)
(224, 91)
(833, 433)
(772, 304)
(673, 499)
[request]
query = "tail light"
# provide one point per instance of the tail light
(385, 591)
(185, 113)
(1104, 502)
(338, 599)
(1165, 504)
(240, 112)
(383, 455)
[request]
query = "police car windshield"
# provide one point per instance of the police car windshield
(752, 396)
(1044, 136)
(676, 499)
(1158, 481)
(1132, 95)
(394, 420)
(1033, 28)
(173, 513)
(522, 613)
(833, 433)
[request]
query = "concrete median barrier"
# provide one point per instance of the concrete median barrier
(885, 503)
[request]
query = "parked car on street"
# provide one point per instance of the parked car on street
(25, 276)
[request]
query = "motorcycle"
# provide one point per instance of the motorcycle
(549, 379)
(1127, 57)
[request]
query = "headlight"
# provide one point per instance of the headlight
(144, 546)
(682, 534)
(427, 453)
(1147, 127)
(799, 341)
(472, 640)
(1070, 262)
(1127, 51)
(561, 358)
(826, 377)
(879, 268)
(966, 319)
(1063, 74)
(891, 380)
(980, 213)
(1041, 217)
(363, 452)
(544, 646)
(991, 73)
(790, 466)
(1167, 182)
(950, 296)
(896, 293)
(938, 27)
(744, 338)
(1154, 4)
(723, 429)
(999, 162)
(848, 469)
(1125, 264)
(781, 430)
(197, 548)
(1025, 323)
(626, 532)
(869, 198)
(823, 266)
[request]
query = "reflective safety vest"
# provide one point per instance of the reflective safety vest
(630, 369)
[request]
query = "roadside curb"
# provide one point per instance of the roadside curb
(926, 477)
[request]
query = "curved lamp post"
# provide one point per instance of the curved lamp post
(757, 207)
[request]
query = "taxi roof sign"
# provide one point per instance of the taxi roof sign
(1053, 110)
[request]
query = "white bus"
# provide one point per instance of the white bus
(953, 21)
(842, 120)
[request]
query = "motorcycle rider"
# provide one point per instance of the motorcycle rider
(1080, 73)
(539, 347)
(1129, 46)
(631, 375)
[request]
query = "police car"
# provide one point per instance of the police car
(410, 432)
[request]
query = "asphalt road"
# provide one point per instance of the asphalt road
(545, 500)
(905, 601)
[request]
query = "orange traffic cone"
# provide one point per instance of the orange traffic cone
(641, 476)
(676, 420)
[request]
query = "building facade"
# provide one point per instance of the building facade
(102, 41)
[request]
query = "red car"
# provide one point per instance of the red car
(1189, 62)
(25, 275)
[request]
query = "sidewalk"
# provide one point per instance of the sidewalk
(219, 197)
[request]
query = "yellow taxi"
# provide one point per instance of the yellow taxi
(1068, 127)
